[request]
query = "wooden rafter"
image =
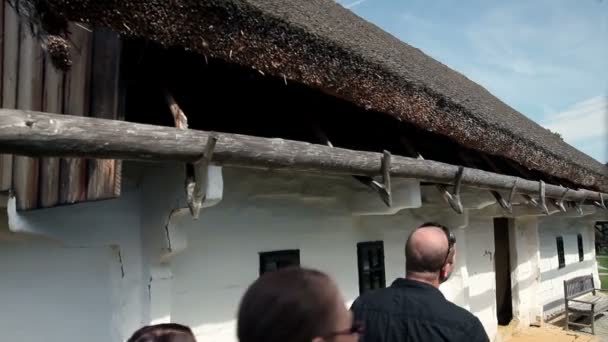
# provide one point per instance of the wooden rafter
(43, 134)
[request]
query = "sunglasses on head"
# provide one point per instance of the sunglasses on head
(450, 236)
(356, 328)
(451, 242)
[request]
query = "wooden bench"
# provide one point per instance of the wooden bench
(581, 298)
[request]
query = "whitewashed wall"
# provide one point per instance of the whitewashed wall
(480, 267)
(552, 277)
(84, 285)
(265, 212)
(74, 288)
(525, 270)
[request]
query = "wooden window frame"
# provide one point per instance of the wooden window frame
(363, 251)
(581, 251)
(561, 257)
(282, 256)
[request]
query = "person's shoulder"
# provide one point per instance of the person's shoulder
(457, 311)
(373, 299)
(465, 317)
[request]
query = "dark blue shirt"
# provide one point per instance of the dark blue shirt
(410, 310)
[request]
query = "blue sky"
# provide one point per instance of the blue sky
(546, 58)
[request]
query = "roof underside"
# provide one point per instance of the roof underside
(322, 45)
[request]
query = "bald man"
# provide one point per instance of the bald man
(413, 309)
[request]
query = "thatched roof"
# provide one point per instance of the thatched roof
(323, 45)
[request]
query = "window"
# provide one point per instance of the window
(272, 261)
(370, 257)
(581, 254)
(560, 251)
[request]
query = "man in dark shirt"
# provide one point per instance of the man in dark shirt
(413, 309)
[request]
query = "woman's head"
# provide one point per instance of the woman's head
(294, 305)
(169, 332)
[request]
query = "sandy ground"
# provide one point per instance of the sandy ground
(549, 333)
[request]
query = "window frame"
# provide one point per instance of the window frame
(580, 245)
(561, 257)
(278, 255)
(363, 249)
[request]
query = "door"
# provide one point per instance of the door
(502, 269)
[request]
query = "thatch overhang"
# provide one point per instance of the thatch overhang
(323, 45)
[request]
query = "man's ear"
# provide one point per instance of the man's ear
(445, 271)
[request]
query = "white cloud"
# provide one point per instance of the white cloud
(354, 4)
(584, 120)
(537, 54)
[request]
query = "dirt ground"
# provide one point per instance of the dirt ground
(549, 333)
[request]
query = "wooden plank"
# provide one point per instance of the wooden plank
(72, 185)
(10, 58)
(52, 102)
(29, 97)
(105, 73)
(32, 133)
(10, 65)
(2, 4)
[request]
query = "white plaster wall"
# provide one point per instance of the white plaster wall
(101, 275)
(83, 285)
(552, 278)
(525, 275)
(480, 266)
(262, 211)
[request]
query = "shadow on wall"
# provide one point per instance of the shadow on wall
(90, 273)
(262, 211)
(482, 302)
(555, 300)
(259, 212)
(523, 284)
(571, 268)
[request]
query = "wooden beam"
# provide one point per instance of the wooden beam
(29, 97)
(105, 73)
(52, 102)
(43, 134)
(10, 66)
(2, 4)
(179, 117)
(72, 185)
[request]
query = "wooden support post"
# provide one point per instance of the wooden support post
(499, 199)
(29, 97)
(43, 134)
(600, 203)
(10, 66)
(179, 117)
(52, 102)
(382, 189)
(105, 73)
(386, 192)
(560, 203)
(72, 186)
(542, 198)
(196, 195)
(579, 205)
(453, 198)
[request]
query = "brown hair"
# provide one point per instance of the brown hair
(288, 305)
(168, 332)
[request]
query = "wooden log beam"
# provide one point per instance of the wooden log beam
(42, 134)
